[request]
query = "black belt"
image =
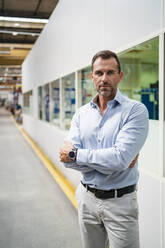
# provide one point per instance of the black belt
(105, 194)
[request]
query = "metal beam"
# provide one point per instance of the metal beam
(37, 8)
(20, 29)
(18, 32)
(18, 40)
(8, 89)
(3, 6)
(11, 76)
(20, 24)
(14, 45)
(11, 66)
(25, 14)
(8, 84)
(11, 62)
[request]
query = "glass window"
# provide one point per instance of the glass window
(55, 102)
(43, 102)
(86, 88)
(40, 113)
(141, 75)
(68, 88)
(46, 101)
(140, 65)
(27, 102)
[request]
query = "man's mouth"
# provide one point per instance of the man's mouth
(105, 86)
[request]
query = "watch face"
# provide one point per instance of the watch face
(72, 154)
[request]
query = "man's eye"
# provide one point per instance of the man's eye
(111, 72)
(99, 73)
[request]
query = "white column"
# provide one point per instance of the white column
(161, 128)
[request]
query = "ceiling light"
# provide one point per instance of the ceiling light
(18, 19)
(4, 52)
(19, 32)
(16, 24)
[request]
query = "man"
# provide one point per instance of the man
(105, 136)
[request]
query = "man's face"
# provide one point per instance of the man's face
(106, 76)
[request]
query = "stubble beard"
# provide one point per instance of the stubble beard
(108, 93)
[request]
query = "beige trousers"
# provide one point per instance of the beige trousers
(105, 222)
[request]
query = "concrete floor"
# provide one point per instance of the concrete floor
(34, 212)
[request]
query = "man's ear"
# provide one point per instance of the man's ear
(121, 76)
(92, 76)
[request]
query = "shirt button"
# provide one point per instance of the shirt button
(99, 140)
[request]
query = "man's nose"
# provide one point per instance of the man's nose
(104, 77)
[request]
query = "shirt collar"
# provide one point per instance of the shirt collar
(119, 98)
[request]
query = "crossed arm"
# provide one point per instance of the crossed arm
(119, 157)
(68, 146)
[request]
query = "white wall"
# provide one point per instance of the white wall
(130, 20)
(76, 31)
(148, 162)
(65, 38)
(150, 219)
(163, 212)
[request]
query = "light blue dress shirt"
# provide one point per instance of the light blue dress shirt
(108, 143)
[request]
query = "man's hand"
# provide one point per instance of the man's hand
(64, 151)
(134, 161)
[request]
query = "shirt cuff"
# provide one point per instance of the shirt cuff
(82, 156)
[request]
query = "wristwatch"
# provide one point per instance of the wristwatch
(73, 154)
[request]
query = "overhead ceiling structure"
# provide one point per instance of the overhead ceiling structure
(21, 22)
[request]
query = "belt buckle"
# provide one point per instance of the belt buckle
(99, 193)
